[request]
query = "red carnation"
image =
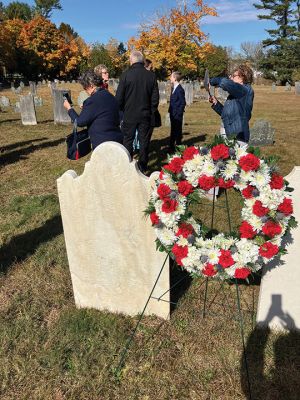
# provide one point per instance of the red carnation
(277, 181)
(268, 250)
(242, 273)
(179, 252)
(206, 182)
(225, 259)
(247, 192)
(189, 153)
(185, 230)
(219, 151)
(246, 230)
(175, 165)
(286, 207)
(154, 218)
(249, 162)
(209, 270)
(225, 184)
(271, 229)
(259, 210)
(169, 205)
(161, 175)
(185, 188)
(163, 191)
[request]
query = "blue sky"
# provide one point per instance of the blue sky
(97, 20)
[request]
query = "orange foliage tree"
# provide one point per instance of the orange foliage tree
(174, 40)
(9, 33)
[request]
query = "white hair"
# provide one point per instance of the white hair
(136, 56)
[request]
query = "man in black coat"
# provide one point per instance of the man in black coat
(138, 98)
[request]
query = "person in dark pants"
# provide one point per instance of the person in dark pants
(236, 111)
(176, 110)
(138, 98)
(100, 111)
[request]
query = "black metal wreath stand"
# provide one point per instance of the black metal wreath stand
(204, 312)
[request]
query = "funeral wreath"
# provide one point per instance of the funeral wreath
(267, 211)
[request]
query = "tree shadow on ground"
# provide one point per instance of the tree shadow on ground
(20, 144)
(282, 380)
(18, 155)
(10, 120)
(159, 149)
(24, 245)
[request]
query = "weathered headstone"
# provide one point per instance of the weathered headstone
(52, 86)
(73, 81)
(22, 85)
(262, 134)
(279, 306)
(17, 107)
(27, 110)
(61, 115)
(110, 244)
(162, 87)
(273, 87)
(222, 95)
(189, 93)
(43, 82)
(38, 101)
(82, 97)
(4, 101)
(297, 88)
(32, 86)
(288, 87)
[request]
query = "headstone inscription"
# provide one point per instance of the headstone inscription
(297, 88)
(61, 115)
(278, 305)
(27, 110)
(262, 133)
(112, 257)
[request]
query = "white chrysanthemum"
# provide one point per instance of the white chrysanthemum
(271, 198)
(247, 252)
(182, 241)
(193, 258)
(192, 169)
(230, 271)
(204, 243)
(260, 178)
(208, 168)
(166, 236)
(213, 255)
(230, 170)
(255, 222)
(222, 242)
(240, 151)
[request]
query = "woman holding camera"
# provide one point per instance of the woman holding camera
(100, 111)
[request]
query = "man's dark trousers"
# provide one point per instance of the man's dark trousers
(144, 135)
(176, 132)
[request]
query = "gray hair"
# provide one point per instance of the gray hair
(136, 56)
(98, 69)
(90, 78)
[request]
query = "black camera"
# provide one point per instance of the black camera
(67, 97)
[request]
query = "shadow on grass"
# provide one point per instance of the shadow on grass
(18, 155)
(10, 120)
(20, 144)
(282, 381)
(159, 149)
(180, 281)
(24, 245)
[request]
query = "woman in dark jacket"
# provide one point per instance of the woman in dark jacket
(100, 112)
(236, 111)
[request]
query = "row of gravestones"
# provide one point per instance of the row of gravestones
(288, 87)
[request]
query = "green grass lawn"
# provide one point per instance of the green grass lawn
(51, 350)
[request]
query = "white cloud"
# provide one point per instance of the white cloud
(232, 11)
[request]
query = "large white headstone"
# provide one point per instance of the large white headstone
(27, 110)
(279, 305)
(110, 244)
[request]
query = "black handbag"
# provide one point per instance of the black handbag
(78, 143)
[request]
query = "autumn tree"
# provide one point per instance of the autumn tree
(10, 56)
(112, 54)
(46, 7)
(174, 40)
(216, 61)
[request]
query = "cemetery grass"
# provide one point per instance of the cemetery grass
(51, 350)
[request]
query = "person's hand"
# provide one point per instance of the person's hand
(212, 100)
(67, 105)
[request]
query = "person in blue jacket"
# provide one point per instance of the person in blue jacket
(236, 111)
(100, 111)
(176, 110)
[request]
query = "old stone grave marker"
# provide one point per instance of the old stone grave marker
(61, 115)
(297, 88)
(32, 86)
(27, 110)
(17, 108)
(278, 305)
(262, 134)
(4, 101)
(288, 87)
(82, 97)
(273, 87)
(110, 244)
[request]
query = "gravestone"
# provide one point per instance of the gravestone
(38, 101)
(167, 120)
(82, 97)
(278, 305)
(52, 86)
(273, 87)
(22, 85)
(110, 244)
(32, 86)
(13, 89)
(162, 87)
(189, 93)
(61, 115)
(297, 88)
(17, 107)
(27, 110)
(222, 94)
(43, 82)
(18, 90)
(288, 87)
(4, 101)
(73, 81)
(262, 134)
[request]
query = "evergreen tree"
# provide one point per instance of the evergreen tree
(17, 9)
(45, 7)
